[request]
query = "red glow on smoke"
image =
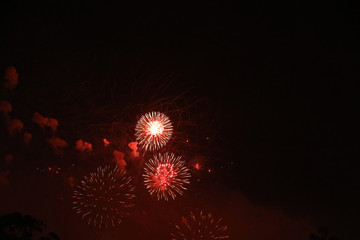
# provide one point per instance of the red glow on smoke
(134, 148)
(106, 142)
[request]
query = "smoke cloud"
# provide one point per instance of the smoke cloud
(119, 159)
(57, 143)
(44, 121)
(11, 78)
(27, 137)
(15, 126)
(106, 142)
(5, 107)
(134, 148)
(83, 146)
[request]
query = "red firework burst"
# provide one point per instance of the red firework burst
(104, 198)
(199, 226)
(165, 175)
(153, 131)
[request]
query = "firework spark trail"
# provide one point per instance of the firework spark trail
(198, 226)
(104, 198)
(153, 131)
(165, 175)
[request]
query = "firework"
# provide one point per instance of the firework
(165, 175)
(199, 225)
(153, 131)
(104, 198)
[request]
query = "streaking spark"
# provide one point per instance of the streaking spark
(166, 176)
(199, 226)
(153, 131)
(104, 198)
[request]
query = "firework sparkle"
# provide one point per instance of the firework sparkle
(104, 198)
(198, 226)
(165, 176)
(153, 131)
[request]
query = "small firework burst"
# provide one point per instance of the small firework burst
(199, 226)
(104, 198)
(153, 131)
(165, 175)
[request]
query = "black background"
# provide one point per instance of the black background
(276, 86)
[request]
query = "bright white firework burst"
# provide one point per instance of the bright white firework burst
(104, 198)
(165, 175)
(153, 131)
(199, 226)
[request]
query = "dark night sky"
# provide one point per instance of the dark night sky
(272, 85)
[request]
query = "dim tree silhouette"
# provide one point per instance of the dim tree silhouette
(16, 226)
(323, 234)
